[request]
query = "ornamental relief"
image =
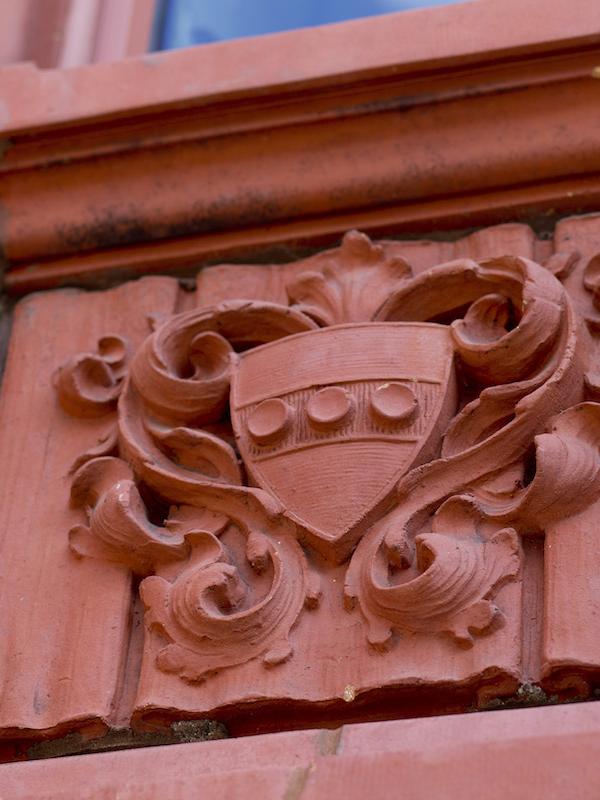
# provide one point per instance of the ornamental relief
(410, 429)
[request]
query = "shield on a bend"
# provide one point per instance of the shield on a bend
(328, 421)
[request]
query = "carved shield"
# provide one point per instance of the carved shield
(328, 421)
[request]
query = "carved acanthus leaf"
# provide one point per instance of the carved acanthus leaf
(119, 529)
(348, 284)
(214, 618)
(198, 451)
(566, 479)
(493, 431)
(449, 593)
(89, 384)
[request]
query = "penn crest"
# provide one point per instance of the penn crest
(329, 420)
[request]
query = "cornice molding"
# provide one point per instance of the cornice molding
(166, 161)
(461, 34)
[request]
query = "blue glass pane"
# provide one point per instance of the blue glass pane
(183, 23)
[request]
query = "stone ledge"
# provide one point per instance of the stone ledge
(534, 753)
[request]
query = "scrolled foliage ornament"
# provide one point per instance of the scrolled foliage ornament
(382, 421)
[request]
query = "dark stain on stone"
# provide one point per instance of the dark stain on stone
(116, 229)
(109, 230)
(181, 732)
(5, 145)
(6, 316)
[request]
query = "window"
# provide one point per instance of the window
(183, 23)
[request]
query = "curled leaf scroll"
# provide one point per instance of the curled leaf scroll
(439, 551)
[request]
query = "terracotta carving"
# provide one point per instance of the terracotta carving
(350, 477)
(379, 420)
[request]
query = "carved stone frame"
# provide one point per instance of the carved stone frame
(248, 547)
